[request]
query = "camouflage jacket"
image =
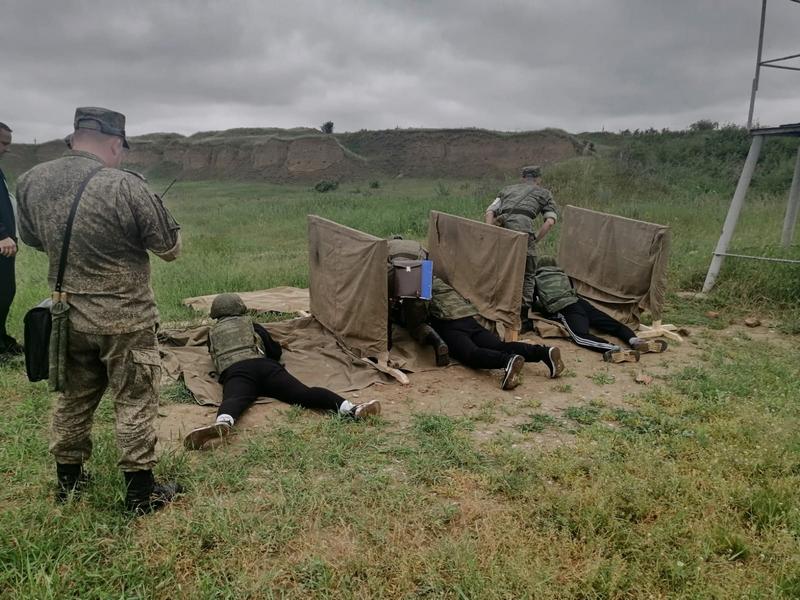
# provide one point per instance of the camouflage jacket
(447, 304)
(521, 203)
(118, 220)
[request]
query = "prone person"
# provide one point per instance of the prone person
(412, 313)
(246, 358)
(515, 208)
(557, 298)
(453, 317)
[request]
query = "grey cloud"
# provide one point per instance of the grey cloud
(188, 66)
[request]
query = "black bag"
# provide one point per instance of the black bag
(38, 321)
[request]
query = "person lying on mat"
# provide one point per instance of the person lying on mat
(453, 317)
(246, 359)
(558, 300)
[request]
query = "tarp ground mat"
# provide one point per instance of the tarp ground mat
(483, 263)
(348, 285)
(618, 264)
(310, 353)
(279, 299)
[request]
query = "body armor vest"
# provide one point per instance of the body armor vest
(233, 339)
(447, 304)
(554, 289)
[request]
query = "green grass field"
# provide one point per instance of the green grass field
(692, 491)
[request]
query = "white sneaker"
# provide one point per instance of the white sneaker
(511, 375)
(197, 438)
(368, 409)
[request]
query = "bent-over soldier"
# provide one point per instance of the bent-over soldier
(113, 316)
(515, 208)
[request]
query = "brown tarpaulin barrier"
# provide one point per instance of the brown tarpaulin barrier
(348, 287)
(619, 264)
(278, 299)
(483, 263)
(310, 353)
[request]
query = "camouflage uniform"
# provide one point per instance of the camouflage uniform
(113, 315)
(515, 208)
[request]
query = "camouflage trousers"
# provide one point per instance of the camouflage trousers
(528, 285)
(130, 366)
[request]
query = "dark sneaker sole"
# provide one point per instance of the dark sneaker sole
(200, 436)
(513, 369)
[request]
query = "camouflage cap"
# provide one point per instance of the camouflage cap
(532, 171)
(227, 305)
(102, 120)
(546, 261)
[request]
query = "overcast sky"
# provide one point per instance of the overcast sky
(510, 65)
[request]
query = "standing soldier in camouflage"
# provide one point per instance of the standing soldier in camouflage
(515, 208)
(113, 316)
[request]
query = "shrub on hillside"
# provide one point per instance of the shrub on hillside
(374, 184)
(326, 186)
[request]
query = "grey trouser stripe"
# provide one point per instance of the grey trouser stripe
(583, 341)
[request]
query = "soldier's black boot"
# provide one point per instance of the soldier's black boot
(440, 349)
(527, 323)
(144, 495)
(71, 480)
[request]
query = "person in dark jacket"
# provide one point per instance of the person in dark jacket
(247, 361)
(8, 253)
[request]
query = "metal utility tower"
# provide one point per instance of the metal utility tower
(759, 134)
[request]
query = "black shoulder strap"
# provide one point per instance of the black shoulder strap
(62, 262)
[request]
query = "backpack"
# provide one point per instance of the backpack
(554, 289)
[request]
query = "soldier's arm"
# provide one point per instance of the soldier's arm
(272, 349)
(158, 231)
(490, 216)
(549, 212)
(26, 230)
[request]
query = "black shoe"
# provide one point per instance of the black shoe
(511, 375)
(72, 479)
(144, 495)
(10, 346)
(553, 361)
(440, 349)
(526, 326)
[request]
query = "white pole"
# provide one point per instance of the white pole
(733, 212)
(790, 220)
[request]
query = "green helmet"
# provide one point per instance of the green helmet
(546, 261)
(532, 171)
(227, 305)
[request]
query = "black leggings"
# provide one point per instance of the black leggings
(477, 347)
(8, 288)
(578, 317)
(246, 380)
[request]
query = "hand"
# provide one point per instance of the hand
(8, 247)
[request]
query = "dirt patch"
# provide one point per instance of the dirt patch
(460, 392)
